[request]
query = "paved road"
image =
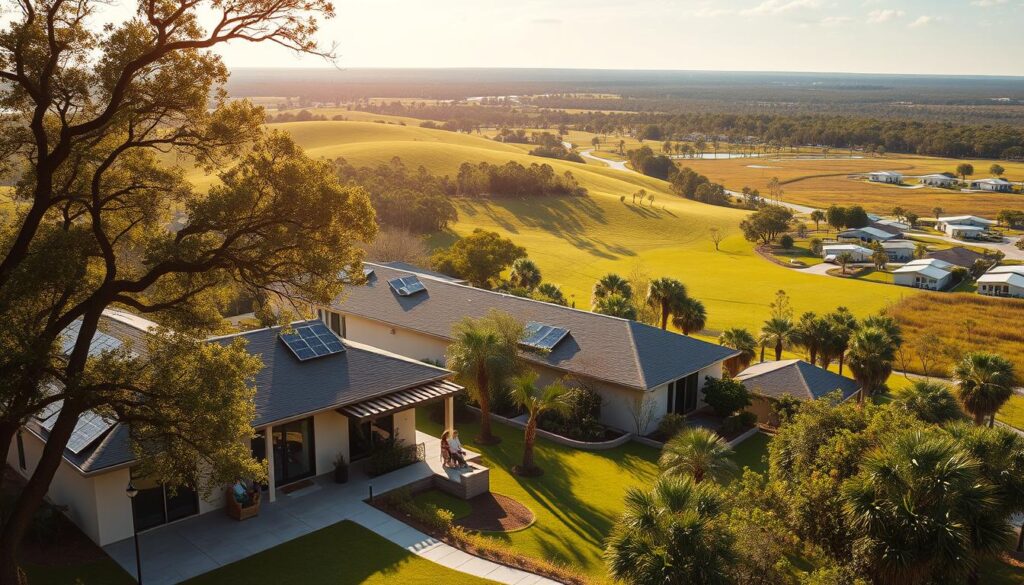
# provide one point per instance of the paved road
(615, 164)
(1007, 247)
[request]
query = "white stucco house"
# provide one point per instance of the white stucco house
(830, 252)
(890, 177)
(997, 184)
(316, 397)
(629, 364)
(868, 234)
(938, 180)
(899, 250)
(927, 273)
(964, 226)
(1002, 281)
(768, 382)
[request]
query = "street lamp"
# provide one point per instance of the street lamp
(131, 492)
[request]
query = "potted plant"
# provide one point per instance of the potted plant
(340, 469)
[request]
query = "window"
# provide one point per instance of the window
(21, 453)
(157, 504)
(682, 395)
(338, 324)
(294, 451)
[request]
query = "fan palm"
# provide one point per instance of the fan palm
(843, 325)
(932, 402)
(689, 315)
(484, 354)
(524, 274)
(777, 331)
(742, 341)
(672, 535)
(985, 384)
(616, 306)
(812, 333)
(923, 511)
(612, 284)
(550, 293)
(698, 453)
(664, 294)
(871, 354)
(535, 402)
(887, 324)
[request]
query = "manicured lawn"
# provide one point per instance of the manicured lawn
(339, 554)
(459, 508)
(1012, 413)
(579, 496)
(753, 453)
(102, 572)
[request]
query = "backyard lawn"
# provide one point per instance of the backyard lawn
(337, 555)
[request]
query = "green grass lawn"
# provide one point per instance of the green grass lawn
(1012, 413)
(102, 572)
(339, 554)
(753, 453)
(579, 496)
(458, 507)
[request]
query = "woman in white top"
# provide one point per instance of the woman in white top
(456, 450)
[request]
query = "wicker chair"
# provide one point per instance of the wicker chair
(239, 512)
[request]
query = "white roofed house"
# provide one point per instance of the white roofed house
(890, 177)
(1002, 281)
(927, 273)
(830, 252)
(997, 184)
(625, 362)
(899, 250)
(868, 234)
(938, 180)
(964, 226)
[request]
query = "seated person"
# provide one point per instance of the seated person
(455, 448)
(446, 452)
(243, 495)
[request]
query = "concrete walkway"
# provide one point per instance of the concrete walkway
(199, 544)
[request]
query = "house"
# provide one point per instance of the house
(868, 234)
(633, 367)
(1002, 281)
(891, 225)
(891, 177)
(769, 381)
(997, 184)
(830, 252)
(316, 397)
(963, 226)
(899, 250)
(927, 273)
(944, 180)
(958, 256)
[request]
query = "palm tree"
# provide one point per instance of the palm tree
(612, 284)
(817, 216)
(812, 333)
(923, 511)
(777, 331)
(689, 315)
(672, 535)
(985, 384)
(887, 324)
(535, 403)
(843, 325)
(843, 259)
(698, 453)
(932, 402)
(616, 306)
(550, 293)
(664, 294)
(525, 274)
(871, 354)
(743, 341)
(937, 212)
(484, 354)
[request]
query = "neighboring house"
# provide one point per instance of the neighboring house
(891, 177)
(963, 226)
(899, 250)
(633, 366)
(869, 234)
(769, 381)
(309, 409)
(1002, 281)
(997, 184)
(958, 256)
(829, 252)
(938, 180)
(891, 225)
(927, 273)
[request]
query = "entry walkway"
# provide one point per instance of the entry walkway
(182, 550)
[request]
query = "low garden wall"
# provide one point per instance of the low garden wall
(565, 441)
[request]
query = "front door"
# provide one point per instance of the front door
(294, 451)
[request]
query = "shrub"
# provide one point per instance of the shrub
(725, 395)
(739, 422)
(670, 425)
(786, 241)
(786, 407)
(581, 420)
(390, 455)
(815, 244)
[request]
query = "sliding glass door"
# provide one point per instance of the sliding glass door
(294, 452)
(682, 395)
(156, 504)
(364, 436)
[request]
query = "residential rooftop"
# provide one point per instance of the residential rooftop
(796, 378)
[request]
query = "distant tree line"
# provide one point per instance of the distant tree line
(514, 180)
(415, 201)
(685, 181)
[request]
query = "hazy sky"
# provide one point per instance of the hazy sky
(884, 36)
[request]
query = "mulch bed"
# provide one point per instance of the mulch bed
(496, 513)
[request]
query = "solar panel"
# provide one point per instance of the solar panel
(312, 341)
(100, 342)
(406, 285)
(542, 336)
(90, 426)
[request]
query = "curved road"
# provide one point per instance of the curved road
(615, 164)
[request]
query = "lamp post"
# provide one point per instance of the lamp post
(132, 491)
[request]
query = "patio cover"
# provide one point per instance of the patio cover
(401, 400)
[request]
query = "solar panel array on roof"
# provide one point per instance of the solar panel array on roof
(406, 285)
(90, 426)
(542, 336)
(312, 341)
(100, 341)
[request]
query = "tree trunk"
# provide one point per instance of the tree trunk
(979, 419)
(814, 355)
(778, 350)
(842, 358)
(484, 398)
(991, 420)
(664, 314)
(762, 353)
(528, 440)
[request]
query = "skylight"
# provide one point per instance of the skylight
(542, 336)
(312, 341)
(406, 285)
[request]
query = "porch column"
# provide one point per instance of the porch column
(268, 438)
(449, 414)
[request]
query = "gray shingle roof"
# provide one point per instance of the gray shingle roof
(796, 378)
(600, 347)
(958, 255)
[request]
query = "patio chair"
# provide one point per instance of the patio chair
(446, 458)
(236, 510)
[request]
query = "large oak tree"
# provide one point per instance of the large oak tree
(97, 118)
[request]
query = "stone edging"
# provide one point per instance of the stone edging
(733, 443)
(565, 441)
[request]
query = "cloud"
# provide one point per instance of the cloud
(835, 20)
(711, 12)
(779, 7)
(925, 21)
(987, 3)
(546, 21)
(884, 15)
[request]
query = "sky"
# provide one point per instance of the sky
(971, 37)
